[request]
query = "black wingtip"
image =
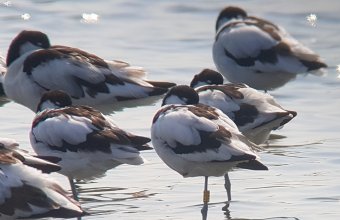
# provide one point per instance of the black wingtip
(46, 168)
(158, 91)
(51, 159)
(313, 65)
(144, 147)
(252, 165)
(160, 87)
(141, 142)
(2, 91)
(294, 113)
(160, 84)
(47, 165)
(60, 213)
(286, 120)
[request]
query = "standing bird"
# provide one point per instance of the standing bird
(255, 113)
(87, 142)
(34, 67)
(27, 193)
(259, 53)
(199, 140)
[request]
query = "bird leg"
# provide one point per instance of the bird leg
(73, 188)
(227, 186)
(206, 198)
(74, 192)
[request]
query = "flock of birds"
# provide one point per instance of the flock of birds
(205, 129)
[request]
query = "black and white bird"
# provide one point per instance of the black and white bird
(34, 67)
(255, 113)
(259, 53)
(25, 192)
(199, 140)
(87, 142)
(44, 164)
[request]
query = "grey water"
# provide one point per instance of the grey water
(173, 40)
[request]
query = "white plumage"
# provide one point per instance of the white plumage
(179, 126)
(45, 164)
(27, 193)
(87, 142)
(199, 140)
(255, 113)
(34, 67)
(259, 53)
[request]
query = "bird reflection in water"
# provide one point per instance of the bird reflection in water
(98, 201)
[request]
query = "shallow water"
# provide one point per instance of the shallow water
(173, 40)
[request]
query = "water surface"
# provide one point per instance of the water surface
(173, 41)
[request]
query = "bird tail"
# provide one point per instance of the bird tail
(140, 142)
(161, 84)
(252, 165)
(314, 65)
